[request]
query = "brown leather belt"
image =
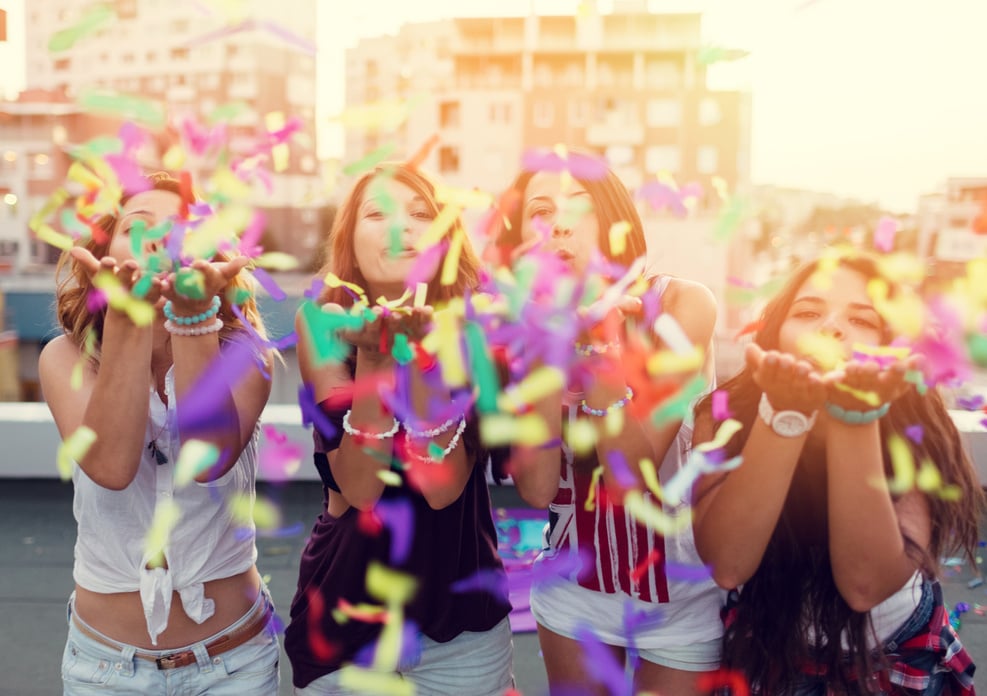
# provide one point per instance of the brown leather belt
(232, 639)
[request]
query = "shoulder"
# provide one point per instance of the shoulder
(688, 294)
(59, 353)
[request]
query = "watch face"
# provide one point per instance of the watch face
(790, 423)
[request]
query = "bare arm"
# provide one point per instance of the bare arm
(866, 528)
(735, 513)
(535, 470)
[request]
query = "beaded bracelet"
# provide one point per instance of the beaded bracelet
(588, 350)
(176, 330)
(589, 411)
(169, 312)
(433, 432)
(857, 417)
(350, 430)
(449, 448)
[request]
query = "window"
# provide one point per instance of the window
(662, 158)
(664, 113)
(620, 155)
(449, 114)
(707, 159)
(448, 159)
(179, 54)
(709, 112)
(63, 64)
(578, 112)
(500, 112)
(543, 115)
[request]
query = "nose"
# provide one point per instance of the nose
(560, 231)
(832, 327)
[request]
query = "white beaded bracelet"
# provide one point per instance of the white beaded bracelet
(433, 432)
(350, 430)
(449, 448)
(196, 330)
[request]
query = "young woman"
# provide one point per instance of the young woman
(836, 568)
(391, 420)
(568, 220)
(190, 608)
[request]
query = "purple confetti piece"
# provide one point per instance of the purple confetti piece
(206, 404)
(250, 239)
(283, 533)
(312, 414)
(687, 573)
(601, 663)
(268, 283)
(315, 289)
(299, 42)
(620, 469)
(95, 300)
(398, 517)
(426, 264)
(493, 582)
(971, 403)
(914, 433)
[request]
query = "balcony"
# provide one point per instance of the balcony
(614, 133)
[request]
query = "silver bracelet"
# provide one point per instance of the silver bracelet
(433, 432)
(195, 330)
(350, 430)
(449, 448)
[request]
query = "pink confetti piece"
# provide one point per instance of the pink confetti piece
(884, 235)
(721, 408)
(579, 165)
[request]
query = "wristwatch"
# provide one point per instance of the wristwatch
(785, 423)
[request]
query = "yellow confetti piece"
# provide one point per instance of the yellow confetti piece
(421, 294)
(218, 230)
(174, 158)
(390, 586)
(450, 266)
(528, 430)
(826, 350)
(371, 681)
(928, 479)
(334, 281)
(905, 314)
(594, 483)
(581, 436)
(868, 397)
(538, 384)
(47, 234)
(654, 517)
(195, 458)
(649, 474)
(73, 449)
(901, 267)
(902, 465)
(140, 312)
(898, 352)
(229, 186)
(727, 430)
(385, 115)
(667, 362)
(613, 422)
(244, 510)
(443, 341)
(618, 237)
(390, 478)
(166, 516)
(440, 226)
(463, 198)
(277, 261)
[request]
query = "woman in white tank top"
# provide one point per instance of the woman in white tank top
(158, 396)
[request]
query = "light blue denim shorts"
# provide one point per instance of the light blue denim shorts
(472, 663)
(251, 669)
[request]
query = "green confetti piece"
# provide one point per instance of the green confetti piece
(238, 296)
(482, 367)
(95, 18)
(190, 283)
(129, 107)
(977, 345)
(323, 330)
(97, 148)
(401, 350)
(918, 379)
(227, 112)
(137, 232)
(394, 236)
(370, 161)
(195, 458)
(679, 406)
(435, 451)
(142, 287)
(733, 213)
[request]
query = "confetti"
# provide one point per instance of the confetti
(97, 16)
(73, 449)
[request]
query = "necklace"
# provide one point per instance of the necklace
(152, 446)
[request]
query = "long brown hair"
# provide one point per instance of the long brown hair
(75, 287)
(342, 259)
(794, 582)
(612, 203)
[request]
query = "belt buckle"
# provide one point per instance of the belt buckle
(171, 661)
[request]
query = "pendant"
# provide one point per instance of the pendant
(158, 455)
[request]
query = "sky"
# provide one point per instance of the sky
(881, 100)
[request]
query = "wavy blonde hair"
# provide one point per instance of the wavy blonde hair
(74, 286)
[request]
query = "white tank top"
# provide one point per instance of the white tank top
(205, 544)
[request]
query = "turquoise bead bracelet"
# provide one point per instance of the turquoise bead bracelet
(199, 318)
(857, 417)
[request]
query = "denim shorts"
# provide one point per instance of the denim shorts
(472, 663)
(251, 669)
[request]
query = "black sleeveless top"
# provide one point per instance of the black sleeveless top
(457, 544)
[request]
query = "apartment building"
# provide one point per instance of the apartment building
(193, 58)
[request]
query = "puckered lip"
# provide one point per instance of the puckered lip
(565, 254)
